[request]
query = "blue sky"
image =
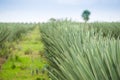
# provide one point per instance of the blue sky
(42, 10)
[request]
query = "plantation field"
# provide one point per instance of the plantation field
(60, 50)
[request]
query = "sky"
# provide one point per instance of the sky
(43, 10)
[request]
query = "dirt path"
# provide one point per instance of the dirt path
(2, 61)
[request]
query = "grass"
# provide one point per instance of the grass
(21, 66)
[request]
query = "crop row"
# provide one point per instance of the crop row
(10, 32)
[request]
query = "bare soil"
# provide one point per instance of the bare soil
(2, 61)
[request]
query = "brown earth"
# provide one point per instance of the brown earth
(2, 61)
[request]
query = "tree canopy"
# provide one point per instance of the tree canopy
(85, 15)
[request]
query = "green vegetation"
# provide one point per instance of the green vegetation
(108, 29)
(3, 37)
(79, 52)
(10, 32)
(61, 50)
(22, 66)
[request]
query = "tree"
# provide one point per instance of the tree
(52, 19)
(85, 15)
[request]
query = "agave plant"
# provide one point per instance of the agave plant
(75, 53)
(112, 29)
(4, 33)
